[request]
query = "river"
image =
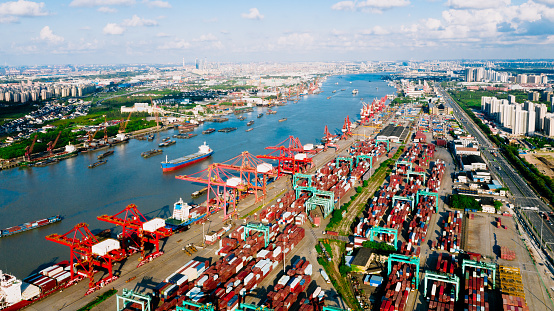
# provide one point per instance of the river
(80, 194)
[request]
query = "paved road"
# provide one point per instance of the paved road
(522, 195)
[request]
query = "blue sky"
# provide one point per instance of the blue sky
(160, 31)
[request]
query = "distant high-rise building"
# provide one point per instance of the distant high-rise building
(521, 78)
(534, 96)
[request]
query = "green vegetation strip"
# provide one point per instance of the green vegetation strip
(340, 281)
(99, 300)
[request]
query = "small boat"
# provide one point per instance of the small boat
(198, 193)
(343, 89)
(283, 120)
(95, 164)
(242, 118)
(150, 153)
(354, 91)
(227, 129)
(250, 123)
(271, 111)
(334, 91)
(208, 131)
(260, 115)
(328, 97)
(105, 154)
(166, 143)
(249, 129)
(151, 136)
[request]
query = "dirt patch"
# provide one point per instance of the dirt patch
(544, 162)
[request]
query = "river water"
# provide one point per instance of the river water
(80, 194)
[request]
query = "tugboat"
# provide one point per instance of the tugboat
(260, 115)
(250, 123)
(283, 120)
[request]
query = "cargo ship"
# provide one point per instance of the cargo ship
(30, 225)
(18, 294)
(203, 152)
(95, 164)
(166, 143)
(105, 154)
(227, 129)
(208, 131)
(269, 111)
(184, 215)
(151, 153)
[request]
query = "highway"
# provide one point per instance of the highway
(521, 194)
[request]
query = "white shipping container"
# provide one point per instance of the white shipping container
(153, 225)
(29, 291)
(105, 247)
(316, 292)
(309, 270)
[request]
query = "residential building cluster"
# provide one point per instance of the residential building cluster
(22, 93)
(521, 119)
(481, 74)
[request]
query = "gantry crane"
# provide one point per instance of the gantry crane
(51, 145)
(228, 181)
(291, 156)
(136, 231)
(86, 253)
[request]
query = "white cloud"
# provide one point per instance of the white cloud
(211, 20)
(296, 39)
(46, 34)
(376, 30)
(253, 13)
(372, 5)
(92, 3)
(477, 4)
(158, 4)
(113, 29)
(136, 21)
(344, 6)
(162, 34)
(432, 23)
(10, 11)
(175, 45)
(204, 38)
(106, 9)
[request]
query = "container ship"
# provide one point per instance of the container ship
(30, 225)
(184, 215)
(203, 152)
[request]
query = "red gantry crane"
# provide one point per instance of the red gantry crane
(230, 181)
(86, 253)
(291, 156)
(347, 128)
(137, 230)
(51, 145)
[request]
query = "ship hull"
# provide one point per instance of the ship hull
(168, 167)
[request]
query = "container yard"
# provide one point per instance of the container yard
(268, 259)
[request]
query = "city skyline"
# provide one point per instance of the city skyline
(155, 31)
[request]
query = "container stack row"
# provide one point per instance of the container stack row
(451, 235)
(397, 288)
(507, 254)
(45, 281)
(245, 262)
(476, 285)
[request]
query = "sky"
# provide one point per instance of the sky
(166, 31)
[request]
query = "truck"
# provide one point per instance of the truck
(333, 233)
(325, 276)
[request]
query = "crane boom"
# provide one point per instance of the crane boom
(52, 145)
